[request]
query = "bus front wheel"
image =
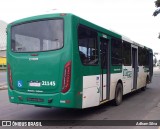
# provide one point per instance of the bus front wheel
(118, 94)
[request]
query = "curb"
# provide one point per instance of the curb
(3, 86)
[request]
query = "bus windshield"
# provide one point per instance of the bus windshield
(37, 36)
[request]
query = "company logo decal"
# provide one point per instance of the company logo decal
(127, 73)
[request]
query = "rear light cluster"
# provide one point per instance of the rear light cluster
(10, 77)
(66, 77)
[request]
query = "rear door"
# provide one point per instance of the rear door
(105, 68)
(135, 68)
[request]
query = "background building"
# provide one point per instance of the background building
(3, 41)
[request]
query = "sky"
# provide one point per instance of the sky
(131, 18)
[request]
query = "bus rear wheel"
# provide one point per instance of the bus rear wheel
(118, 94)
(143, 88)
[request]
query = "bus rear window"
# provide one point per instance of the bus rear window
(37, 36)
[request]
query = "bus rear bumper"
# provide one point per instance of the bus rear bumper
(42, 100)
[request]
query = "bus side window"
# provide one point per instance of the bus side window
(116, 51)
(88, 46)
(126, 53)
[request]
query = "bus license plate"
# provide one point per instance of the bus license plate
(36, 84)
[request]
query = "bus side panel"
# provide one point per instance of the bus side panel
(127, 79)
(141, 79)
(91, 91)
(114, 80)
(116, 75)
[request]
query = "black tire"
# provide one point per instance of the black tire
(143, 88)
(118, 94)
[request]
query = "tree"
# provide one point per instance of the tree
(154, 60)
(157, 4)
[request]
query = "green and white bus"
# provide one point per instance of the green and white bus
(61, 60)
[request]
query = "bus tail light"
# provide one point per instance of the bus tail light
(10, 77)
(66, 77)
